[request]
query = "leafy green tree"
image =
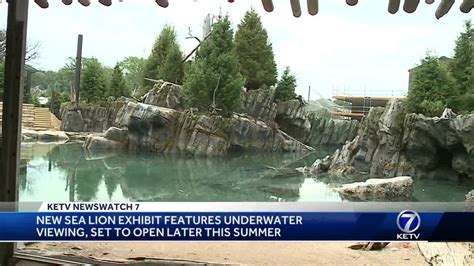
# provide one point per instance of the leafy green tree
(285, 89)
(133, 68)
(214, 75)
(255, 52)
(65, 76)
(117, 86)
(44, 79)
(93, 83)
(462, 65)
(431, 89)
(155, 67)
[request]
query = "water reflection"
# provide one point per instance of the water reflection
(65, 172)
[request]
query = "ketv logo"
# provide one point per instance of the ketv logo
(408, 222)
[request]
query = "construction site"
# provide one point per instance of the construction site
(353, 104)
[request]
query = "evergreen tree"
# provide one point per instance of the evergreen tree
(155, 67)
(94, 83)
(462, 66)
(255, 53)
(117, 84)
(214, 73)
(173, 68)
(431, 89)
(285, 89)
(462, 70)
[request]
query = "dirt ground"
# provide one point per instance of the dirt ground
(334, 253)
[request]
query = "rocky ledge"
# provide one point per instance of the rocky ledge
(470, 201)
(390, 189)
(43, 136)
(311, 128)
(391, 142)
(163, 130)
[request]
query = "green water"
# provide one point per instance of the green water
(67, 173)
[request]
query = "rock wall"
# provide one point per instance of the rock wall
(92, 118)
(329, 131)
(313, 129)
(259, 104)
(164, 130)
(391, 143)
(292, 118)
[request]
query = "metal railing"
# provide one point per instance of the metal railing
(367, 92)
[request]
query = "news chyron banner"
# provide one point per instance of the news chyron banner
(236, 222)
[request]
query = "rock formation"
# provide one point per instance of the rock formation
(259, 104)
(391, 143)
(165, 94)
(89, 118)
(258, 108)
(292, 118)
(329, 131)
(43, 136)
(396, 188)
(164, 130)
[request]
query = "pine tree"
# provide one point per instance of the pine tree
(94, 83)
(173, 67)
(431, 89)
(215, 70)
(164, 52)
(255, 52)
(462, 66)
(285, 89)
(117, 86)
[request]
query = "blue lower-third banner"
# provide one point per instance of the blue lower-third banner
(237, 226)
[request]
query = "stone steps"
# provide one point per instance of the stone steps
(36, 118)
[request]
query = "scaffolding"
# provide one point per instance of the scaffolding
(359, 102)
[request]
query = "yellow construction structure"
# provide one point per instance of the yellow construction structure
(360, 105)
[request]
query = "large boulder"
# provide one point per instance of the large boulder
(319, 166)
(43, 136)
(117, 134)
(165, 94)
(259, 104)
(396, 188)
(71, 120)
(164, 130)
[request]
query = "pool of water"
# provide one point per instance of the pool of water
(68, 173)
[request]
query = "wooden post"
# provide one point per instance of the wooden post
(309, 93)
(12, 99)
(27, 96)
(77, 78)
